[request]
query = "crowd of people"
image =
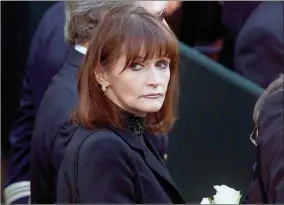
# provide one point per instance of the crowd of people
(100, 96)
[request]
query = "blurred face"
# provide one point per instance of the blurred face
(141, 87)
(155, 7)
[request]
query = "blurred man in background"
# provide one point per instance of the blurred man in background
(259, 38)
(267, 186)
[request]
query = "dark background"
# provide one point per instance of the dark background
(19, 21)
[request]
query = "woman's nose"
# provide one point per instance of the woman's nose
(153, 77)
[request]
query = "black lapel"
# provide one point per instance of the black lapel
(159, 169)
(151, 158)
(155, 162)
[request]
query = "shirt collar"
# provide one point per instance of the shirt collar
(81, 49)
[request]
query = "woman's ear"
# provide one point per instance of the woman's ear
(102, 77)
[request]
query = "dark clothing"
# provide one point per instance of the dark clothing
(52, 131)
(114, 166)
(47, 55)
(270, 145)
(259, 47)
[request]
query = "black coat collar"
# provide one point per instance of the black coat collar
(149, 154)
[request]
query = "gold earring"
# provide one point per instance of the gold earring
(104, 88)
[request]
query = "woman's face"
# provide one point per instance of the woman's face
(141, 87)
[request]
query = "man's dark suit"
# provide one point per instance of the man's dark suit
(52, 132)
(47, 54)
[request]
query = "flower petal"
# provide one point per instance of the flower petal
(205, 201)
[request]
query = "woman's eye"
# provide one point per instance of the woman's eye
(162, 64)
(136, 66)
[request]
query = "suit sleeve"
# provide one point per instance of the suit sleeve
(259, 56)
(17, 183)
(105, 174)
(20, 139)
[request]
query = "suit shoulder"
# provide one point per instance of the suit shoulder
(266, 18)
(55, 9)
(100, 148)
(103, 142)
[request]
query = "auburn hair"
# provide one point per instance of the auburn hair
(125, 29)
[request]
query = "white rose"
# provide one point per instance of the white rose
(205, 201)
(226, 195)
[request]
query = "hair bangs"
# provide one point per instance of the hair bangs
(145, 40)
(138, 38)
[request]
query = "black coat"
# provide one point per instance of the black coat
(112, 166)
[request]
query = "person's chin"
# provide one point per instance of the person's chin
(153, 107)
